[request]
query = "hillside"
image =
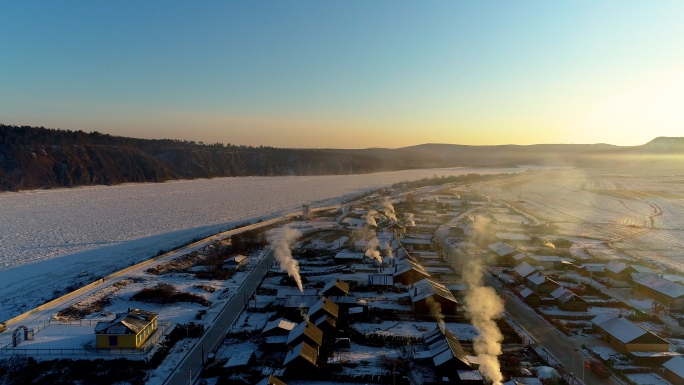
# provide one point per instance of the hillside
(36, 157)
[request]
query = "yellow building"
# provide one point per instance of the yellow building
(128, 330)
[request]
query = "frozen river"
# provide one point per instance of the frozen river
(47, 237)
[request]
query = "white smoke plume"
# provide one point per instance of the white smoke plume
(549, 244)
(283, 254)
(409, 220)
(388, 210)
(483, 306)
(370, 218)
(436, 311)
(372, 251)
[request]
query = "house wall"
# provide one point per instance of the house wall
(673, 378)
(123, 341)
(663, 299)
(127, 340)
(647, 347)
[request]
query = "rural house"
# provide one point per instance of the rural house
(128, 330)
(625, 336)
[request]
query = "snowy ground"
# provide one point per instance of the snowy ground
(464, 332)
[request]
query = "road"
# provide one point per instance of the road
(191, 364)
(558, 344)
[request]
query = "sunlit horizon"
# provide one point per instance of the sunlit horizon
(348, 75)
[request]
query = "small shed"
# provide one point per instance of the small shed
(236, 263)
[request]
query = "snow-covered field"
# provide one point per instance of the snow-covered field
(641, 213)
(50, 237)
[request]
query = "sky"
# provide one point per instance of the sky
(347, 74)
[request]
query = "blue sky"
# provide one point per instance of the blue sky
(347, 74)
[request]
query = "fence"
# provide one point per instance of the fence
(163, 326)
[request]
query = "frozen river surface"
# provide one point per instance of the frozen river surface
(53, 235)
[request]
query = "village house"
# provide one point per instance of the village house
(625, 336)
(335, 288)
(236, 263)
(568, 301)
(547, 262)
(541, 284)
(128, 330)
(305, 332)
(523, 270)
(281, 326)
(502, 250)
(324, 306)
(425, 293)
(302, 356)
(531, 298)
(667, 293)
(618, 271)
(408, 272)
(447, 354)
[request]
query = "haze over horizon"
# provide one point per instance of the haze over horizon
(347, 75)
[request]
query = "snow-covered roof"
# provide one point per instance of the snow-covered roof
(594, 267)
(676, 366)
(501, 248)
(519, 256)
(661, 286)
(405, 265)
(673, 278)
(598, 320)
(524, 269)
(280, 323)
(240, 358)
(537, 278)
(306, 328)
(427, 288)
(128, 323)
(615, 266)
(326, 306)
(340, 284)
(415, 241)
(623, 329)
(302, 350)
(546, 258)
(469, 375)
(526, 292)
(562, 294)
(348, 255)
(284, 293)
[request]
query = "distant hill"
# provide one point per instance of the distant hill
(37, 157)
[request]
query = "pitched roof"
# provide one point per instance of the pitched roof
(501, 248)
(624, 330)
(452, 350)
(407, 264)
(563, 295)
(524, 269)
(302, 350)
(615, 266)
(537, 278)
(427, 288)
(519, 256)
(338, 283)
(526, 292)
(661, 285)
(127, 323)
(326, 305)
(308, 329)
(676, 365)
(546, 258)
(280, 323)
(271, 380)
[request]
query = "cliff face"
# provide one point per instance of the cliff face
(31, 167)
